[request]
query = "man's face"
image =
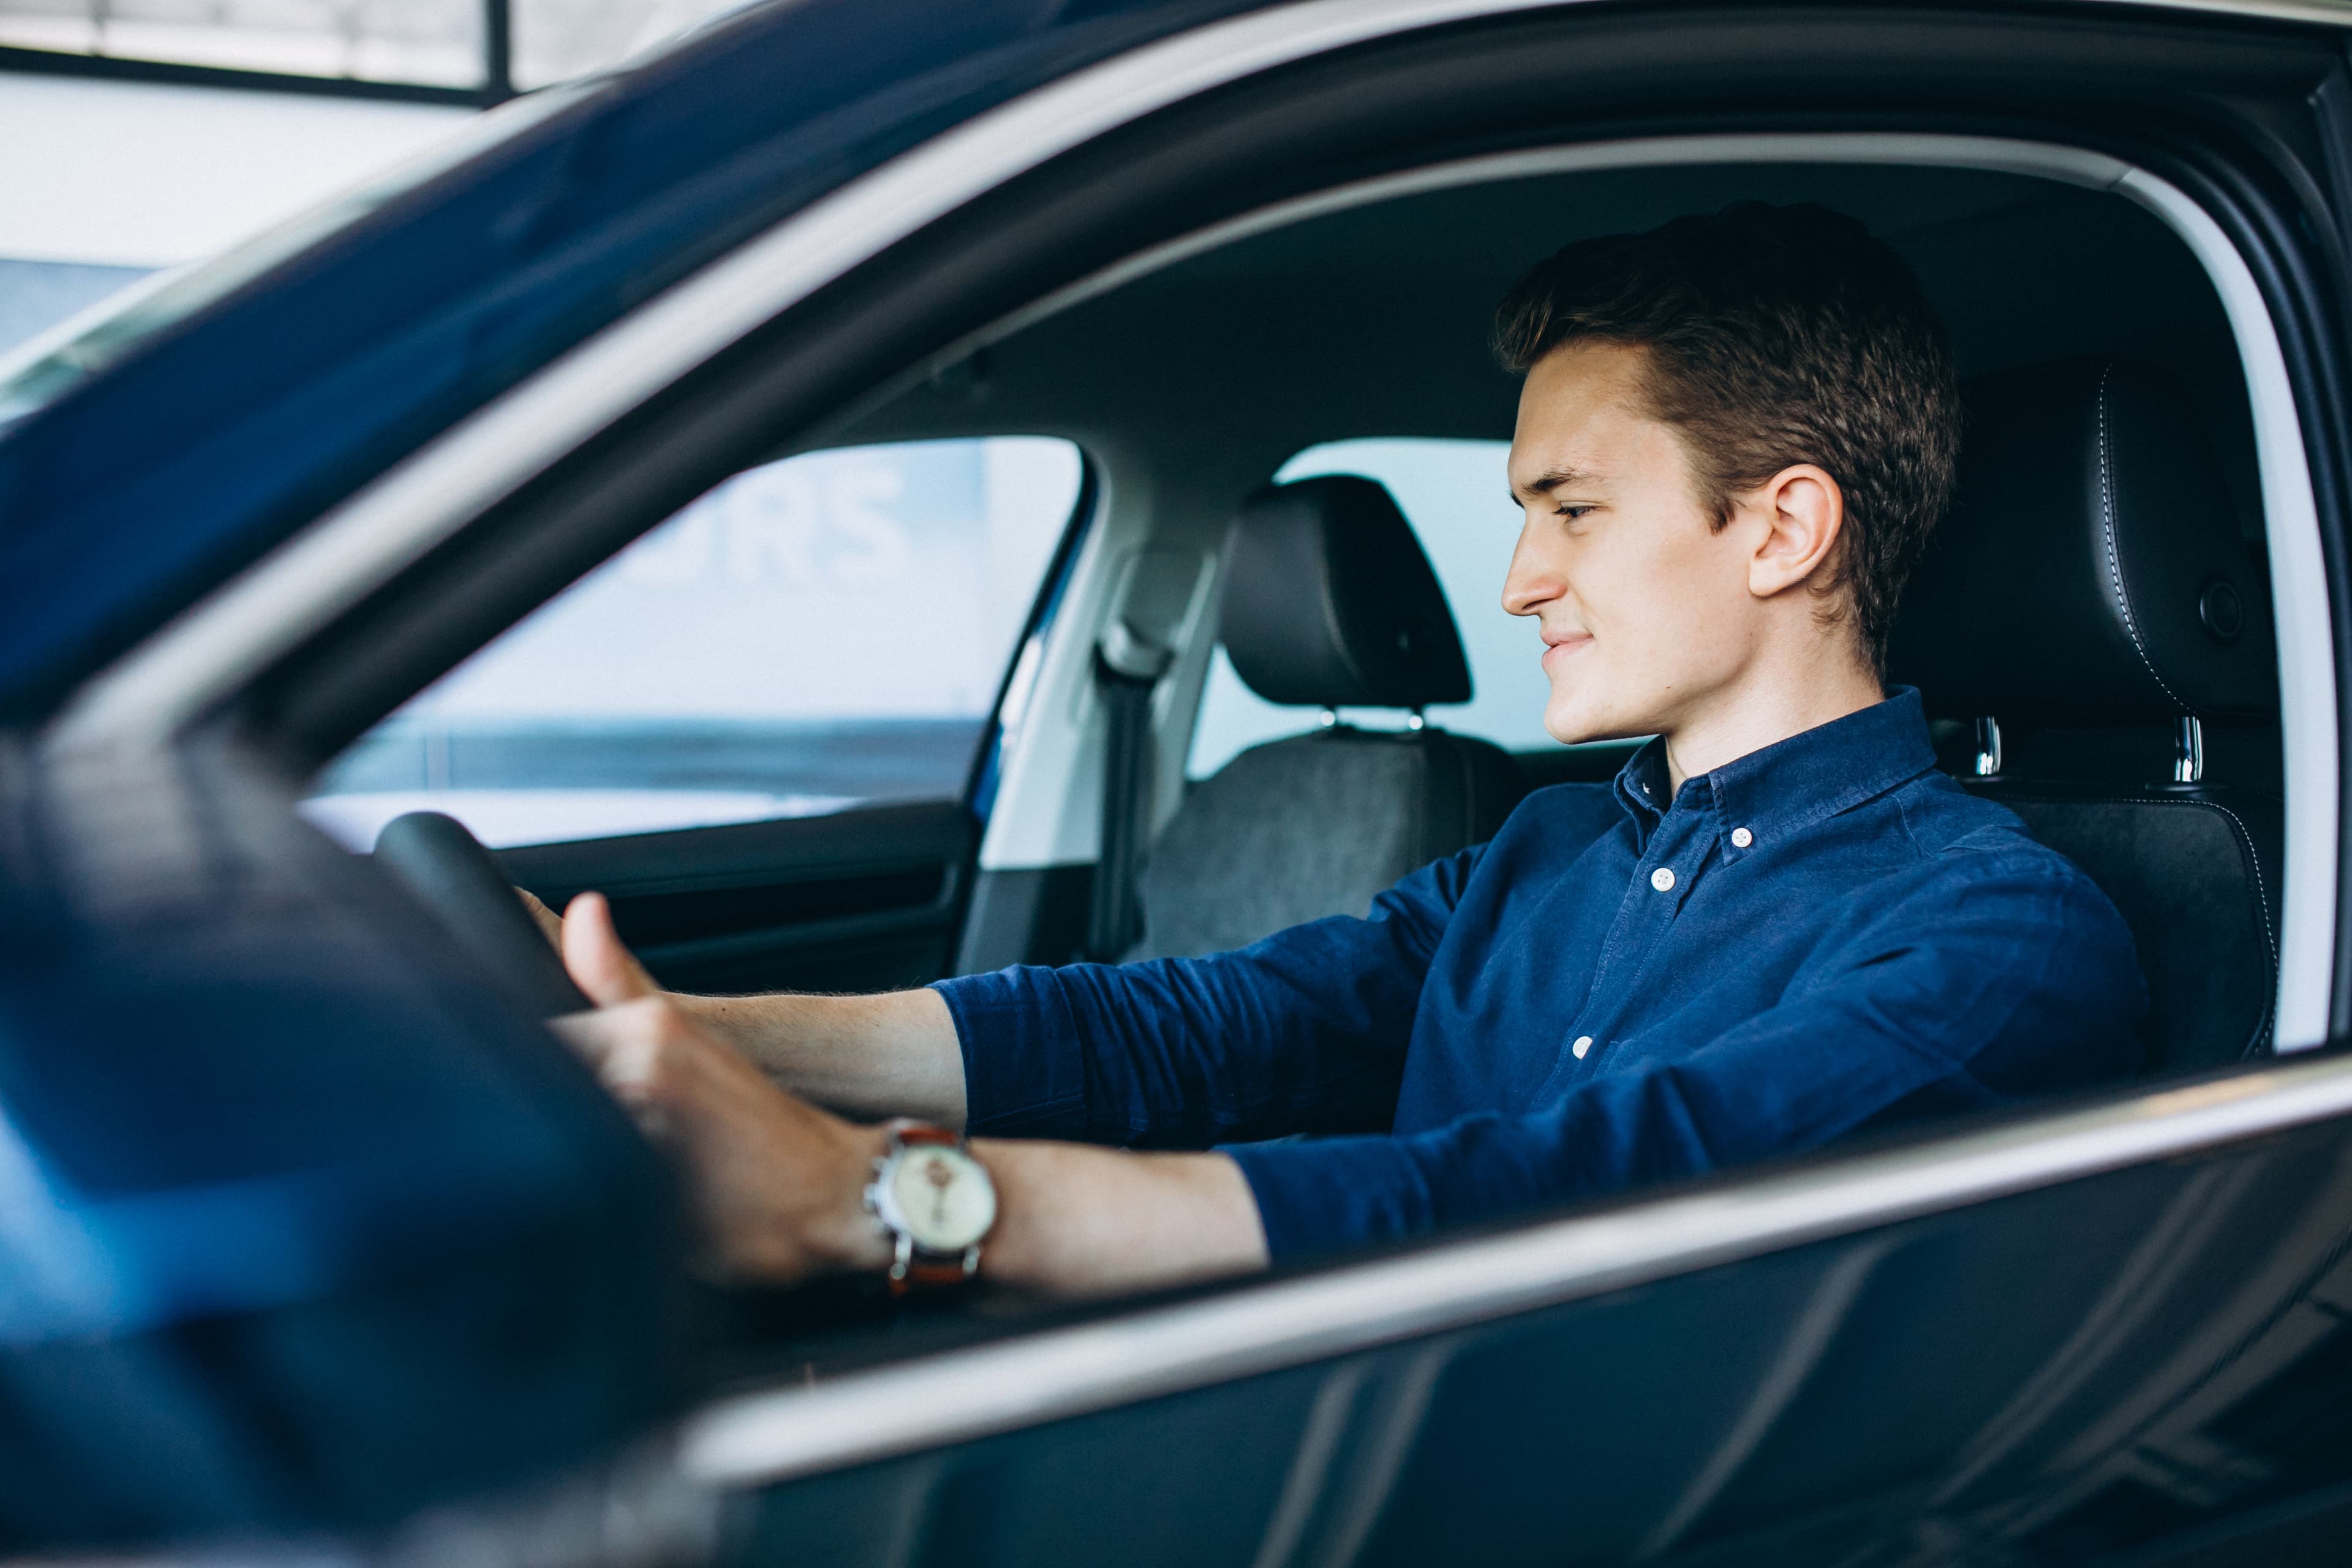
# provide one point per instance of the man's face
(1644, 607)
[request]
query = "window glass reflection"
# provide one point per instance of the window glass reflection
(434, 43)
(822, 632)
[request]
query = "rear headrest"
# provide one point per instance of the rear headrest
(1328, 601)
(2092, 571)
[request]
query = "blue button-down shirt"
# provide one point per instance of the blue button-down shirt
(1824, 936)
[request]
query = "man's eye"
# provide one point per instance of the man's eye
(1571, 511)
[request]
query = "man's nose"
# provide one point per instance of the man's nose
(1529, 584)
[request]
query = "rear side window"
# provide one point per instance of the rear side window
(815, 634)
(1454, 495)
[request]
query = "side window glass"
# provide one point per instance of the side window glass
(1453, 493)
(813, 633)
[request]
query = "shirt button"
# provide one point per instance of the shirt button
(1662, 878)
(1741, 837)
(1583, 1044)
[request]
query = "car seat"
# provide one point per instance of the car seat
(1327, 602)
(2093, 579)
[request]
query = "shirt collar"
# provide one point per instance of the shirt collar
(1793, 783)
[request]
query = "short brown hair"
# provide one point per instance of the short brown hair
(1776, 335)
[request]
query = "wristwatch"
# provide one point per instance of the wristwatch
(936, 1204)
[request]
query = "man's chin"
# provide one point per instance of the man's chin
(1579, 723)
(1573, 728)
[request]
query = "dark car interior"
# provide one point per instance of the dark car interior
(2091, 632)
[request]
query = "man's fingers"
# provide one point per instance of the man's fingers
(605, 972)
(773, 1181)
(550, 924)
(586, 1034)
(625, 1047)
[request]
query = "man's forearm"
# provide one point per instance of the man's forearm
(1073, 1220)
(780, 1184)
(1079, 1221)
(866, 1057)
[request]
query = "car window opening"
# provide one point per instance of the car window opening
(1263, 375)
(817, 632)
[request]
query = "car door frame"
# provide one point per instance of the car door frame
(220, 651)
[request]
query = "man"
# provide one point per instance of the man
(1779, 926)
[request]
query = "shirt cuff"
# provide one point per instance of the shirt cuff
(1320, 1195)
(1023, 1072)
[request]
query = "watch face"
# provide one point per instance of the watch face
(943, 1197)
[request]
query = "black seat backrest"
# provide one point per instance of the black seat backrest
(2093, 576)
(2196, 876)
(1327, 602)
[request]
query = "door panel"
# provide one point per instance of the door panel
(2160, 1354)
(858, 900)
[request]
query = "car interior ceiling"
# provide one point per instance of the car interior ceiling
(1375, 320)
(1190, 385)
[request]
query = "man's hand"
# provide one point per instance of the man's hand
(550, 924)
(776, 1183)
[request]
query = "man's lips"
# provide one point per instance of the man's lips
(1564, 646)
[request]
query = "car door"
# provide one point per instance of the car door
(2056, 1335)
(759, 730)
(2065, 1375)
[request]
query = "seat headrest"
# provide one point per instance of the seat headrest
(2092, 571)
(1329, 603)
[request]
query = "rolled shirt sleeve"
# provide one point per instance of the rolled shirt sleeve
(1303, 1032)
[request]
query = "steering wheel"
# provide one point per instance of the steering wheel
(445, 867)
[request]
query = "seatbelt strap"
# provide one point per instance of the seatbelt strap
(1127, 672)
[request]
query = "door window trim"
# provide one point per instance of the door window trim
(1016, 687)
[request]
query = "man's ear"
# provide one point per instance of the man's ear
(1804, 514)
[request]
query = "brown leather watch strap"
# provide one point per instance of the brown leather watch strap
(931, 1276)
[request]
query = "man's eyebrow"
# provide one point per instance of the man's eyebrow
(1550, 480)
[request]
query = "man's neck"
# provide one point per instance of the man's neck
(1752, 714)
